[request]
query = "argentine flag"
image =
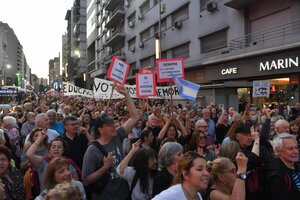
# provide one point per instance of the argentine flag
(186, 89)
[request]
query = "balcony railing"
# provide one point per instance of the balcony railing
(267, 36)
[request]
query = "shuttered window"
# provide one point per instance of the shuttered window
(214, 41)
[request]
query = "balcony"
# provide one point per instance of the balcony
(117, 37)
(239, 4)
(110, 5)
(116, 17)
(91, 66)
(287, 33)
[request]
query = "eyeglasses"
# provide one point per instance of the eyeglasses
(232, 171)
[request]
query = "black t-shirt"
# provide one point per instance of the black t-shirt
(76, 148)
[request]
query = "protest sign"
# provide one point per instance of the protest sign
(261, 88)
(165, 69)
(103, 88)
(72, 90)
(118, 70)
(145, 84)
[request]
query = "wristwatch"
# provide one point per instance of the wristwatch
(242, 176)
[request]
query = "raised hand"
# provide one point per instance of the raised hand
(241, 162)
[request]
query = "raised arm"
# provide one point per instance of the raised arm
(133, 113)
(36, 160)
(163, 131)
(124, 163)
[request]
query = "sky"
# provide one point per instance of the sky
(39, 26)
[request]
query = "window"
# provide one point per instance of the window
(163, 26)
(164, 55)
(131, 44)
(181, 51)
(148, 62)
(214, 41)
(145, 35)
(131, 18)
(181, 14)
(203, 4)
(145, 7)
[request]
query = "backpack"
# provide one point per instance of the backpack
(100, 184)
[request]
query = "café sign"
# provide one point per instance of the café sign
(228, 71)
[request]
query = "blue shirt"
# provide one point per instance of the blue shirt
(58, 127)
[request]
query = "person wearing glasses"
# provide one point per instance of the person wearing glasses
(198, 145)
(202, 126)
(228, 180)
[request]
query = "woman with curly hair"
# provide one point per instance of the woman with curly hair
(140, 176)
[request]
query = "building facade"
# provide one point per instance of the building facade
(13, 64)
(226, 45)
(76, 43)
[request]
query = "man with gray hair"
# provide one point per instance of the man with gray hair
(283, 177)
(282, 126)
(42, 122)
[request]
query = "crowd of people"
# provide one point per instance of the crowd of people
(141, 149)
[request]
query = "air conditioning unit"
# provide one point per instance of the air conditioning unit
(132, 49)
(127, 3)
(141, 44)
(131, 24)
(141, 16)
(178, 24)
(211, 6)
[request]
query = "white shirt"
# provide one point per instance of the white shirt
(52, 134)
(174, 192)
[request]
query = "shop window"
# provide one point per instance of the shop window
(213, 41)
(181, 51)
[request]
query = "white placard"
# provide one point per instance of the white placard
(261, 88)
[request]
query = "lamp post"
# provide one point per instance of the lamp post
(158, 39)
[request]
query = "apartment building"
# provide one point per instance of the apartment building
(13, 64)
(226, 45)
(76, 44)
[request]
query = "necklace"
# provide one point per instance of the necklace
(187, 195)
